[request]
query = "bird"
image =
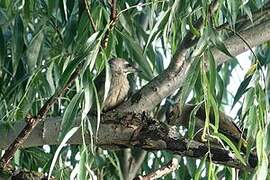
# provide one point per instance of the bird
(119, 84)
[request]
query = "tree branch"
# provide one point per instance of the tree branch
(164, 170)
(172, 78)
(113, 18)
(133, 130)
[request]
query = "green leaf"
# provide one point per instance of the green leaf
(83, 162)
(70, 115)
(49, 77)
(218, 43)
(192, 121)
(212, 71)
(107, 81)
(67, 136)
(248, 12)
(214, 105)
(192, 28)
(200, 169)
(139, 58)
(71, 67)
(88, 94)
(2, 49)
(18, 43)
(262, 169)
(70, 30)
(97, 105)
(189, 82)
(241, 90)
(232, 146)
(156, 28)
(248, 101)
(33, 51)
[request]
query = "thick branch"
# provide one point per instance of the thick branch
(172, 78)
(130, 130)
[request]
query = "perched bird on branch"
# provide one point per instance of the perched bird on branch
(119, 84)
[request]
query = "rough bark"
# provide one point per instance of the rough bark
(129, 130)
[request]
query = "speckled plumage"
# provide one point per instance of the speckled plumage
(118, 91)
(119, 86)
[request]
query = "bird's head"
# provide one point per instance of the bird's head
(121, 66)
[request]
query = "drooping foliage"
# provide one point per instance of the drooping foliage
(43, 43)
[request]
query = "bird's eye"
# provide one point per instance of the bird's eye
(128, 65)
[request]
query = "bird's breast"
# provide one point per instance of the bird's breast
(118, 92)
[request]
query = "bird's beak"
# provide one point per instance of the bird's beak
(133, 69)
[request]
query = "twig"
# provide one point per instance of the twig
(32, 121)
(138, 162)
(132, 164)
(89, 16)
(113, 18)
(164, 170)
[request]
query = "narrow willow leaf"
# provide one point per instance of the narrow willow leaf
(107, 81)
(262, 169)
(241, 90)
(83, 161)
(125, 24)
(70, 115)
(251, 70)
(218, 43)
(28, 97)
(192, 28)
(267, 147)
(69, 70)
(97, 105)
(91, 58)
(33, 51)
(67, 136)
(200, 169)
(115, 162)
(49, 77)
(83, 26)
(18, 43)
(251, 125)
(70, 30)
(189, 82)
(221, 89)
(159, 62)
(87, 47)
(192, 121)
(174, 10)
(140, 59)
(2, 48)
(157, 27)
(212, 71)
(215, 109)
(232, 146)
(248, 101)
(248, 12)
(88, 94)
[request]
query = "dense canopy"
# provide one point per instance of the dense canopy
(177, 121)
